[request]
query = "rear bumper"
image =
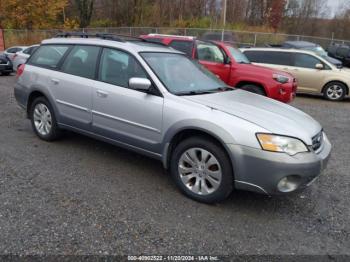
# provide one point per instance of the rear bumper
(261, 171)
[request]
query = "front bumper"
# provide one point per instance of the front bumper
(260, 171)
(284, 92)
(6, 68)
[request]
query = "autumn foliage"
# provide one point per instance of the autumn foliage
(30, 14)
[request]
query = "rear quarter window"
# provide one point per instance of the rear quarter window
(182, 46)
(48, 56)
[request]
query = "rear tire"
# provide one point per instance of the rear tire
(334, 91)
(254, 89)
(43, 120)
(5, 73)
(202, 170)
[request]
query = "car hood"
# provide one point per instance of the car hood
(334, 61)
(269, 114)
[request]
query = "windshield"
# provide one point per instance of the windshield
(318, 50)
(238, 55)
(182, 76)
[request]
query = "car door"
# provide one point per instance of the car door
(213, 58)
(122, 114)
(72, 86)
(310, 79)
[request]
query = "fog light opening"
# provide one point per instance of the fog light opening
(288, 184)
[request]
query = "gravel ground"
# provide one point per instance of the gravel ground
(81, 196)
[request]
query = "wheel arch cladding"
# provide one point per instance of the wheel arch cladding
(185, 133)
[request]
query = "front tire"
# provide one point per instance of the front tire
(202, 170)
(254, 89)
(43, 120)
(334, 91)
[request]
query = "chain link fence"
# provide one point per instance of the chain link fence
(242, 38)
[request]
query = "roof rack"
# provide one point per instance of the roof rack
(106, 36)
(87, 35)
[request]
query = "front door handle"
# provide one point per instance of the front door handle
(55, 81)
(101, 93)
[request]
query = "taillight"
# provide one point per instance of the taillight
(13, 58)
(20, 70)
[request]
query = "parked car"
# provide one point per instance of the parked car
(21, 57)
(11, 51)
(156, 101)
(341, 52)
(315, 75)
(5, 65)
(309, 46)
(234, 68)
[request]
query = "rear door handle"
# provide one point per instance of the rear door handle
(55, 81)
(101, 93)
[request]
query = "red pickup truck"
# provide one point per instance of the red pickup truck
(233, 67)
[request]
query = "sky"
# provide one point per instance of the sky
(333, 4)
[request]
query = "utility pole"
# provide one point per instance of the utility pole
(224, 11)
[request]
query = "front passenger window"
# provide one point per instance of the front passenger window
(211, 53)
(118, 67)
(306, 61)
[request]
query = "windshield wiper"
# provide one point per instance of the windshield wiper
(193, 93)
(202, 92)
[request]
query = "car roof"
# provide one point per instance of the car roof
(301, 44)
(265, 49)
(135, 46)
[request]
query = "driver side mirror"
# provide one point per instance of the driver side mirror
(319, 66)
(138, 83)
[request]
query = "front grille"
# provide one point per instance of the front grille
(317, 141)
(3, 61)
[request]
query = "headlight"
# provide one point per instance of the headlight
(284, 144)
(280, 78)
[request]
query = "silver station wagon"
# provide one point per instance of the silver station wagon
(154, 100)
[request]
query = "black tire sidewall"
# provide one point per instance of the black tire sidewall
(331, 84)
(227, 181)
(55, 132)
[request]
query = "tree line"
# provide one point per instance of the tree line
(310, 17)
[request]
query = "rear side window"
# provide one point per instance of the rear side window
(82, 61)
(30, 50)
(183, 46)
(117, 67)
(49, 56)
(306, 61)
(269, 57)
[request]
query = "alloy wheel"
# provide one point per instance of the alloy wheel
(200, 171)
(334, 92)
(42, 119)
